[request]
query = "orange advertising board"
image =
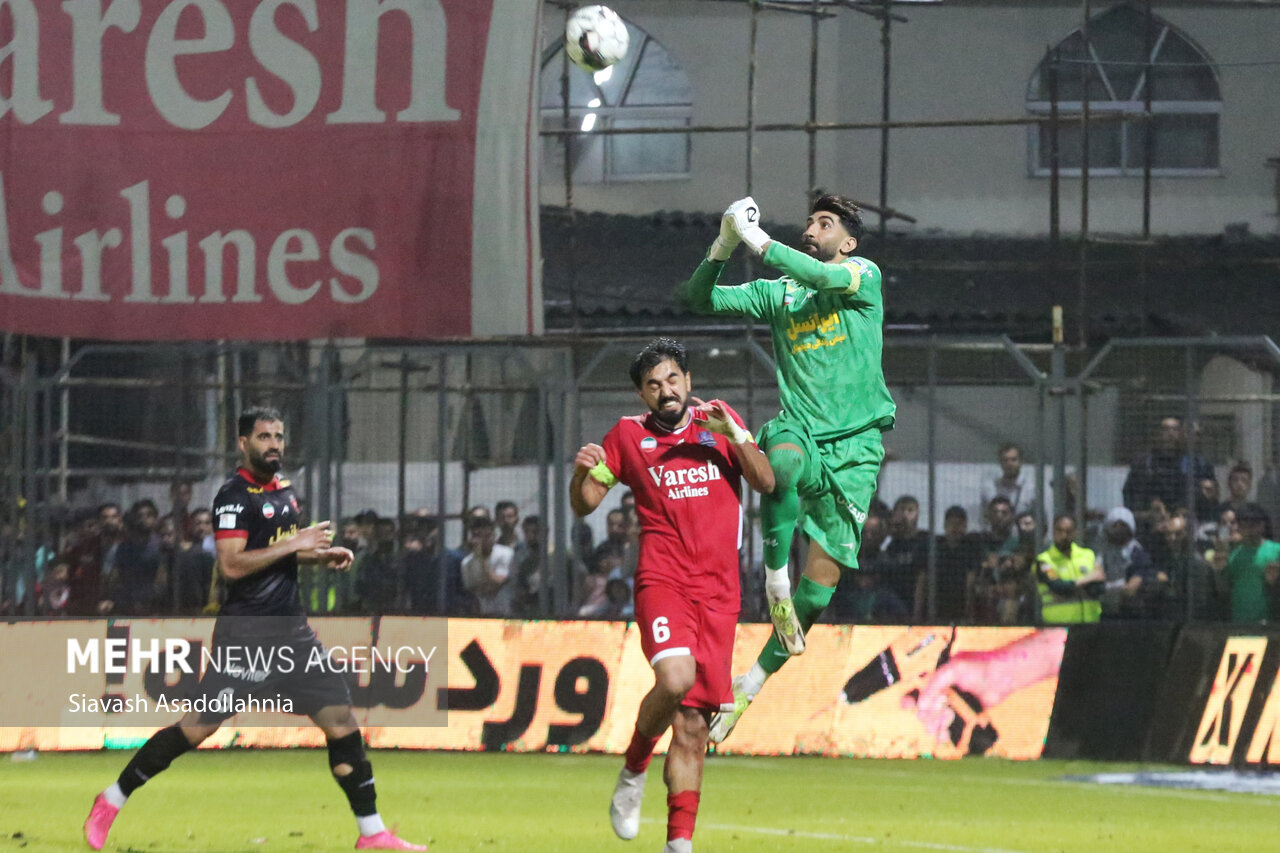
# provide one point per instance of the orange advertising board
(560, 686)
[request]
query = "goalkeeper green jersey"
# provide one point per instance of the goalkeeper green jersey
(826, 321)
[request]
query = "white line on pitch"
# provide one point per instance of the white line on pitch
(847, 839)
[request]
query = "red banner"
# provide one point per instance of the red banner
(266, 169)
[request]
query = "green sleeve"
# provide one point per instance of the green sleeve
(701, 295)
(807, 271)
(856, 277)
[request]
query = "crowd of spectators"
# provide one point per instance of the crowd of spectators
(109, 561)
(1176, 548)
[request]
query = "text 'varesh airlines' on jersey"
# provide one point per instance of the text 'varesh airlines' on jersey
(687, 485)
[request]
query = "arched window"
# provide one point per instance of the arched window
(646, 88)
(1185, 99)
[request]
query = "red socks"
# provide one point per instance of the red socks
(682, 812)
(640, 751)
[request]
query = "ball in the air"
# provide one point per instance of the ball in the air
(595, 38)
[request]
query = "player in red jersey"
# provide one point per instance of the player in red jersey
(685, 466)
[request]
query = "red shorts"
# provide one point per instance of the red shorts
(670, 624)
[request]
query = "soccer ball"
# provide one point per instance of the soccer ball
(595, 38)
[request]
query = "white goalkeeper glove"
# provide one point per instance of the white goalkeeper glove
(744, 215)
(720, 420)
(728, 240)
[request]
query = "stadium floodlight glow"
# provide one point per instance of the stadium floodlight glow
(588, 122)
(602, 76)
(593, 103)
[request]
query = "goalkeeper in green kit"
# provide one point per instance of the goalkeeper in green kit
(825, 315)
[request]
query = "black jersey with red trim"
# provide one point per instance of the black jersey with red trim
(262, 514)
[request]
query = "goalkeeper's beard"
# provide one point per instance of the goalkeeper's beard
(816, 252)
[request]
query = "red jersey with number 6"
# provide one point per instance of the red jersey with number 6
(687, 484)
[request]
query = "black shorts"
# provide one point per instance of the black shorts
(260, 674)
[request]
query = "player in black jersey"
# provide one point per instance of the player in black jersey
(260, 543)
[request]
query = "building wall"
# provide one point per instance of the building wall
(957, 60)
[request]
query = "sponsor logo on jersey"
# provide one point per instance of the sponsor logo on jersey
(253, 490)
(222, 510)
(706, 439)
(268, 511)
(858, 515)
(684, 482)
(648, 443)
(227, 522)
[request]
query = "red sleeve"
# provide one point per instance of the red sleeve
(614, 456)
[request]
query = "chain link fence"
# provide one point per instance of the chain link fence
(111, 456)
(1179, 437)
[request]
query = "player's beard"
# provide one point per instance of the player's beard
(814, 250)
(261, 463)
(670, 418)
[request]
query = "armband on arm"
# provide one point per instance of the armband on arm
(602, 475)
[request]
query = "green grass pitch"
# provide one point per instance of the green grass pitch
(262, 801)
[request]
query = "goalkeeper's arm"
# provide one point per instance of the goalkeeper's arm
(811, 272)
(695, 294)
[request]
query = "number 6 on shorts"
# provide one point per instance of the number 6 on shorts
(661, 633)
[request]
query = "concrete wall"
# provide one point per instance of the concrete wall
(957, 60)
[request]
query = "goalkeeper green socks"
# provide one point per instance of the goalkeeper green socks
(780, 509)
(810, 599)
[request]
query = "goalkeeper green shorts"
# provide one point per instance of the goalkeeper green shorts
(836, 484)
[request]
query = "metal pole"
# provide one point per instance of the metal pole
(932, 557)
(1042, 453)
(1147, 135)
(1057, 380)
(1055, 182)
(402, 451)
(1189, 431)
(1082, 477)
(442, 428)
(751, 89)
(1148, 140)
(30, 490)
(544, 502)
(1086, 72)
(566, 117)
(813, 101)
(64, 423)
(561, 541)
(322, 498)
(885, 44)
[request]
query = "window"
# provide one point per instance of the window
(1185, 100)
(647, 88)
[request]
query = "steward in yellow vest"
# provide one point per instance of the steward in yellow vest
(1070, 578)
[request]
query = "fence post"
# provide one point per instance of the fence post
(932, 499)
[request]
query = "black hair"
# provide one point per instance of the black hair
(956, 511)
(849, 214)
(250, 416)
(501, 505)
(479, 522)
(658, 351)
(1252, 512)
